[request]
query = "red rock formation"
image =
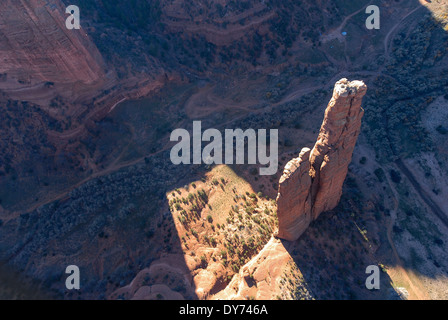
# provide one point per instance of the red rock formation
(37, 46)
(312, 183)
(294, 196)
(260, 278)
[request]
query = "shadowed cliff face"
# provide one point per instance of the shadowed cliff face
(312, 183)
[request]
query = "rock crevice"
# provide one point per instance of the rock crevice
(312, 183)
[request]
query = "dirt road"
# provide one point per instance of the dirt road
(422, 193)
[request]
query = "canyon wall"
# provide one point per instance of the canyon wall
(312, 183)
(37, 47)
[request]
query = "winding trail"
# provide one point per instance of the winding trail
(336, 33)
(392, 30)
(422, 193)
(65, 193)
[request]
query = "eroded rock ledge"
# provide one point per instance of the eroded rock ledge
(312, 183)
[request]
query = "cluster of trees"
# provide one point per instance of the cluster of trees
(248, 226)
(189, 208)
(119, 205)
(289, 114)
(133, 33)
(25, 150)
(393, 110)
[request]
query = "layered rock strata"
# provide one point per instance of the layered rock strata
(36, 46)
(312, 183)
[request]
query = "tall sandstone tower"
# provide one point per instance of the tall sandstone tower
(312, 183)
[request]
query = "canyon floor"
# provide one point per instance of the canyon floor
(99, 190)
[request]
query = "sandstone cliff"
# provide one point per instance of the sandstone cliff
(312, 183)
(260, 277)
(37, 47)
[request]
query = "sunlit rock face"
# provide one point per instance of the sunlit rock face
(312, 183)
